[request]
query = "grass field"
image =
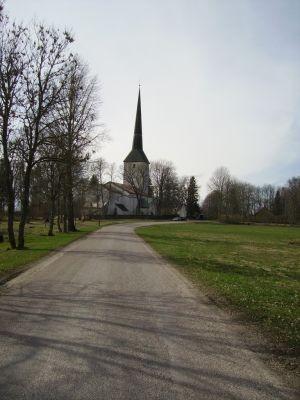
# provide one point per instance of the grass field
(256, 268)
(39, 244)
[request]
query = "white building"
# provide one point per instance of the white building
(132, 197)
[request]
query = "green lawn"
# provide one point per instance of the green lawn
(256, 268)
(39, 244)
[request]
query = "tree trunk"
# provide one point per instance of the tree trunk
(71, 221)
(10, 213)
(10, 221)
(10, 191)
(58, 214)
(24, 208)
(52, 216)
(65, 217)
(70, 203)
(138, 207)
(65, 228)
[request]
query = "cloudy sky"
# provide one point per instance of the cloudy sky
(220, 79)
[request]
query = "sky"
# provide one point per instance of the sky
(220, 79)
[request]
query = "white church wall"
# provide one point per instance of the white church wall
(129, 202)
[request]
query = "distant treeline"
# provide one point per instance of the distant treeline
(232, 200)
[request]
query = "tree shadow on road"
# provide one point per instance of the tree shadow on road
(56, 338)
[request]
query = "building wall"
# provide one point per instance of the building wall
(130, 202)
(115, 195)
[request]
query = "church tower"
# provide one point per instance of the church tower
(136, 164)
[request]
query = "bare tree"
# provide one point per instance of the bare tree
(53, 172)
(12, 47)
(44, 79)
(267, 196)
(137, 177)
(182, 190)
(111, 171)
(162, 173)
(100, 170)
(220, 184)
(80, 193)
(230, 197)
(292, 200)
(76, 125)
(169, 190)
(210, 205)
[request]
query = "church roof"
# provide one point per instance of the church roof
(119, 187)
(137, 153)
(137, 156)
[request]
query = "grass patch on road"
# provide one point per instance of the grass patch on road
(38, 244)
(256, 268)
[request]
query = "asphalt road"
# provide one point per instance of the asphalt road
(106, 318)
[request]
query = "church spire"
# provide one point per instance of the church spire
(138, 133)
(137, 154)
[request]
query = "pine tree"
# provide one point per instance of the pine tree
(278, 204)
(192, 206)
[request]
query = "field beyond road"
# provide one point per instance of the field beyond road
(255, 268)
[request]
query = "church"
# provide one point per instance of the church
(133, 196)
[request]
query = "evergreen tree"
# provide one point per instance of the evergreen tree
(192, 206)
(278, 204)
